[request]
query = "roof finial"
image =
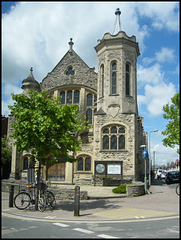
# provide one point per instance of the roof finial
(117, 26)
(31, 70)
(71, 44)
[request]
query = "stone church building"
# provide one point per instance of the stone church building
(110, 150)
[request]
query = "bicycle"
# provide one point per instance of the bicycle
(178, 189)
(50, 198)
(23, 199)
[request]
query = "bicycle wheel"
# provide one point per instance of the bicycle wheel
(22, 200)
(50, 198)
(178, 189)
(42, 203)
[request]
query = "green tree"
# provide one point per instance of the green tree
(5, 157)
(172, 131)
(44, 126)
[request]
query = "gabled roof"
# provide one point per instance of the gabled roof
(81, 74)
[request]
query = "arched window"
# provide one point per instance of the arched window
(113, 138)
(105, 142)
(69, 96)
(62, 95)
(95, 100)
(80, 164)
(113, 142)
(76, 96)
(88, 164)
(121, 142)
(84, 163)
(89, 115)
(25, 163)
(113, 78)
(91, 104)
(102, 79)
(32, 162)
(128, 70)
(89, 99)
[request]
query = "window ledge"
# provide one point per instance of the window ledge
(112, 150)
(115, 94)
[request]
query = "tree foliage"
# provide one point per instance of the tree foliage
(45, 126)
(172, 113)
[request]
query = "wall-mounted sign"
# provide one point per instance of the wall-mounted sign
(100, 168)
(114, 169)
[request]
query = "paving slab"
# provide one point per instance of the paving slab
(161, 202)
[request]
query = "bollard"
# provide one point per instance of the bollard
(11, 195)
(77, 201)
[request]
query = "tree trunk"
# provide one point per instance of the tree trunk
(38, 185)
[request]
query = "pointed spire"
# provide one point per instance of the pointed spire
(117, 26)
(70, 45)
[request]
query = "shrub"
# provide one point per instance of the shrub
(121, 189)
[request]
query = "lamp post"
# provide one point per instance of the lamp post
(149, 162)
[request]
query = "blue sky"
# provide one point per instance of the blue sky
(36, 34)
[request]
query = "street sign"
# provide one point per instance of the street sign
(145, 153)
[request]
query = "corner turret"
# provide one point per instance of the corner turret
(30, 83)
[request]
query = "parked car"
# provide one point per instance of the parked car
(159, 172)
(172, 176)
(163, 175)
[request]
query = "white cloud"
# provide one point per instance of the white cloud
(11, 88)
(156, 96)
(162, 14)
(165, 55)
(7, 90)
(37, 33)
(163, 154)
(152, 75)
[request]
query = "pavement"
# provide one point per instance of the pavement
(103, 205)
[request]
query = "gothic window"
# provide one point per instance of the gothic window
(114, 142)
(113, 78)
(89, 115)
(113, 138)
(87, 164)
(84, 163)
(76, 96)
(32, 162)
(25, 163)
(128, 69)
(70, 71)
(121, 142)
(95, 100)
(105, 142)
(89, 99)
(91, 104)
(102, 79)
(62, 95)
(69, 96)
(80, 164)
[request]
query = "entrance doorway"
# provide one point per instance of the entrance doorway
(56, 172)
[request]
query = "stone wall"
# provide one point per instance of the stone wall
(60, 194)
(135, 190)
(83, 75)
